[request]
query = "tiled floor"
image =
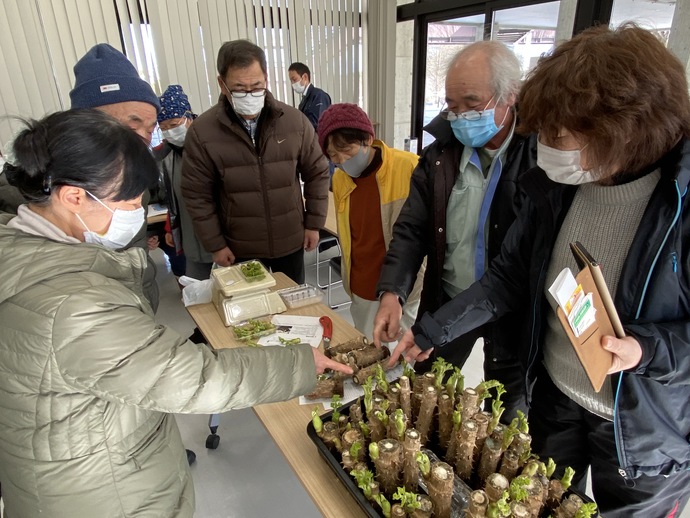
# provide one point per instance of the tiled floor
(247, 477)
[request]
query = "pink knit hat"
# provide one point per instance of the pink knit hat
(343, 115)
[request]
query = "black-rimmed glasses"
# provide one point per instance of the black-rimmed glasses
(240, 94)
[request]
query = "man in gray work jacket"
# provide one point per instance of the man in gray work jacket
(464, 196)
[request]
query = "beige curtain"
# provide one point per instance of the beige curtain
(175, 42)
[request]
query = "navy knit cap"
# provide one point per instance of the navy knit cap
(342, 115)
(174, 104)
(105, 76)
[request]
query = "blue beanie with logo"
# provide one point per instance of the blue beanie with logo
(105, 76)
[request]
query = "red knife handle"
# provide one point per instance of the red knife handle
(327, 324)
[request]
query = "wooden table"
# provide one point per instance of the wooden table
(287, 421)
(152, 217)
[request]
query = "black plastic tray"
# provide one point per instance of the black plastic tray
(460, 501)
(335, 465)
(350, 483)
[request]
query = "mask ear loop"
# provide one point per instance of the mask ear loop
(82, 222)
(99, 201)
(504, 117)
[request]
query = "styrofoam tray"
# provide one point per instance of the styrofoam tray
(229, 281)
(254, 305)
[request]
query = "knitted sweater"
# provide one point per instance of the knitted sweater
(604, 219)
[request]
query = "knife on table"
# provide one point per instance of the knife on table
(327, 325)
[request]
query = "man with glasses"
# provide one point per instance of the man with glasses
(462, 200)
(242, 166)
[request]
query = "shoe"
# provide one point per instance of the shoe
(197, 337)
(191, 457)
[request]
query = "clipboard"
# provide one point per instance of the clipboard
(594, 358)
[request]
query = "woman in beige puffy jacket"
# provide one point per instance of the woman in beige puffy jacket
(88, 378)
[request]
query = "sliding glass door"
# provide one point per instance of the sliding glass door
(529, 30)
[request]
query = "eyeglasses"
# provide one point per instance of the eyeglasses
(241, 94)
(470, 115)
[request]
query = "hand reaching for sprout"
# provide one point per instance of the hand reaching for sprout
(409, 350)
(322, 363)
(627, 352)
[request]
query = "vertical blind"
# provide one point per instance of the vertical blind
(175, 42)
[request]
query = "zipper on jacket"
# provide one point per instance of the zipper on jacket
(616, 427)
(531, 357)
(674, 261)
(267, 211)
(617, 432)
(658, 253)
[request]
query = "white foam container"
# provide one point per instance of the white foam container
(249, 306)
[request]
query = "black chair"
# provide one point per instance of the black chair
(334, 264)
(326, 241)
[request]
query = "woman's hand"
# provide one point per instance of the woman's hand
(408, 350)
(323, 362)
(627, 352)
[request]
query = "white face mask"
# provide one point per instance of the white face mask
(123, 227)
(563, 166)
(247, 105)
(176, 135)
(298, 87)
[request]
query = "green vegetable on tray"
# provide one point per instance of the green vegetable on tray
(291, 341)
(253, 329)
(252, 271)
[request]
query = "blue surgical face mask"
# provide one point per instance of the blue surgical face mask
(475, 133)
(475, 128)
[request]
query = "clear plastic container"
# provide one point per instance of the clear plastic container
(302, 295)
(253, 271)
(253, 329)
(229, 282)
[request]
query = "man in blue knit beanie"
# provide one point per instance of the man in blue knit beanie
(107, 80)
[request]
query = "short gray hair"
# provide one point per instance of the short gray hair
(506, 70)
